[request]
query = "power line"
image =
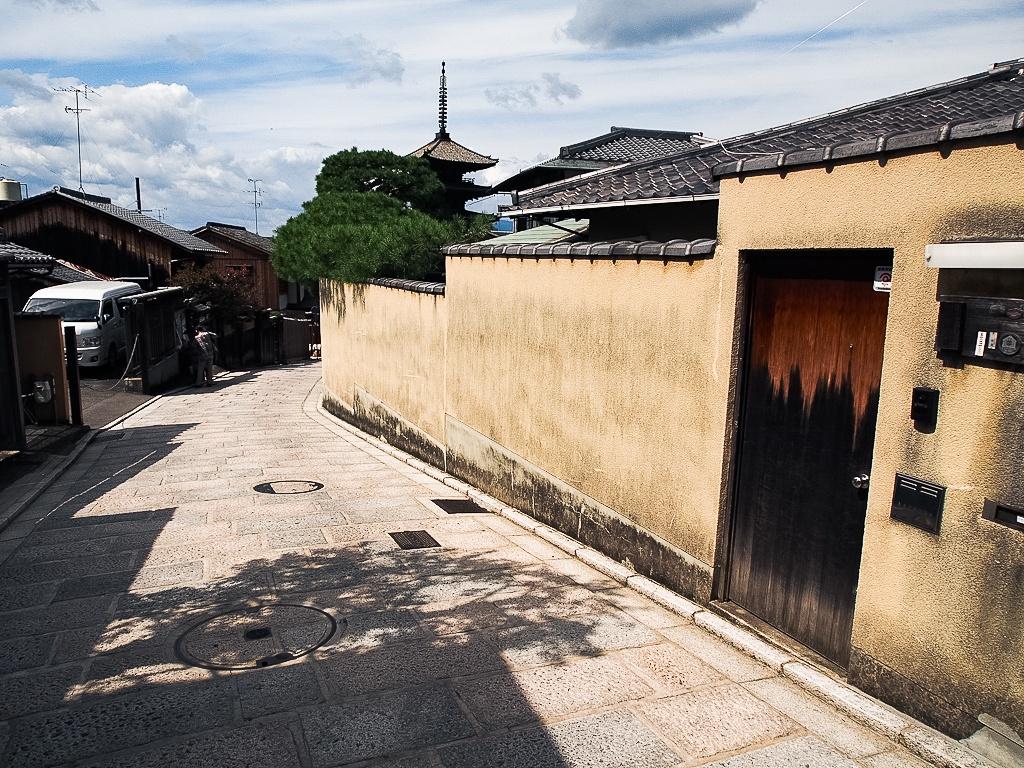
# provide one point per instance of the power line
(84, 91)
(257, 193)
(834, 21)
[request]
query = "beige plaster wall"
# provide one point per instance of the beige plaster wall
(610, 376)
(389, 343)
(944, 613)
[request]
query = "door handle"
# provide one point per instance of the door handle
(861, 481)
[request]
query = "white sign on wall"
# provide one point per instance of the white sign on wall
(883, 279)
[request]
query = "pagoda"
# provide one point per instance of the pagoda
(451, 161)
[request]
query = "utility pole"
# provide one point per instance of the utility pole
(257, 193)
(77, 110)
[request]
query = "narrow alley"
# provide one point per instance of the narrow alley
(216, 582)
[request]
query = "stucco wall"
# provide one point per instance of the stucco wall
(610, 376)
(383, 361)
(938, 622)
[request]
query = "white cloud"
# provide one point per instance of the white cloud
(610, 24)
(154, 131)
(369, 62)
(524, 96)
(68, 5)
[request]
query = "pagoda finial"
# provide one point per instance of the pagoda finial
(442, 107)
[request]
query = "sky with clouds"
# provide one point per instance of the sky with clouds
(198, 96)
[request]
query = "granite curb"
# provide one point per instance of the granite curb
(926, 743)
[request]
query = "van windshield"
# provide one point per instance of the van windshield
(70, 310)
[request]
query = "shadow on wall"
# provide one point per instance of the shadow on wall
(332, 295)
(95, 597)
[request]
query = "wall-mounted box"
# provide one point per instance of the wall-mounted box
(1003, 514)
(924, 407)
(976, 254)
(981, 328)
(918, 503)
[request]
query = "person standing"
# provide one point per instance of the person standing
(204, 352)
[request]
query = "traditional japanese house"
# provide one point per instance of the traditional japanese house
(93, 232)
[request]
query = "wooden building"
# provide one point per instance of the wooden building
(246, 252)
(94, 233)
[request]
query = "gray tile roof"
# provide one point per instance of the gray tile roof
(66, 272)
(672, 250)
(618, 146)
(12, 253)
(417, 286)
(625, 145)
(239, 234)
(986, 103)
(178, 237)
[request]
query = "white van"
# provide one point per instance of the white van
(90, 308)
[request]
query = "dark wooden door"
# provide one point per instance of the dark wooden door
(814, 356)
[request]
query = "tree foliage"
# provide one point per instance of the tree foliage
(354, 236)
(375, 214)
(405, 178)
(228, 294)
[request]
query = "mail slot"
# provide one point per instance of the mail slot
(1003, 514)
(978, 328)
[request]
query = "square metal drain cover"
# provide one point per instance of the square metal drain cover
(414, 539)
(460, 506)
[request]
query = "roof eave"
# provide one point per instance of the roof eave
(515, 212)
(915, 141)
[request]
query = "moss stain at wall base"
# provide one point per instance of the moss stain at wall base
(374, 418)
(875, 678)
(510, 478)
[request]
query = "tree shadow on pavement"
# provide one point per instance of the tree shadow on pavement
(442, 657)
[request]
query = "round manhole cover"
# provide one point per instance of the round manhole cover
(255, 637)
(288, 486)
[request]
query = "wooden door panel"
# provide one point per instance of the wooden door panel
(810, 404)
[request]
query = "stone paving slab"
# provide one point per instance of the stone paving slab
(262, 746)
(110, 724)
(494, 649)
(513, 698)
(395, 722)
(719, 719)
(614, 740)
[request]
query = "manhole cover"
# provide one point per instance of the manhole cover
(288, 486)
(255, 637)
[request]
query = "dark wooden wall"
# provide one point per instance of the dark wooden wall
(266, 284)
(91, 239)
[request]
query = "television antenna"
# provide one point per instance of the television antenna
(257, 193)
(83, 91)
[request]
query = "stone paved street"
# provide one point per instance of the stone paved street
(495, 649)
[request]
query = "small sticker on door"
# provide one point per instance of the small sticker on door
(979, 345)
(883, 279)
(993, 337)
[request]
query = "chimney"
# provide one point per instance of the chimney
(138, 194)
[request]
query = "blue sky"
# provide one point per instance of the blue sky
(197, 97)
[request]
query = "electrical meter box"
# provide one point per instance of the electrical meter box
(981, 328)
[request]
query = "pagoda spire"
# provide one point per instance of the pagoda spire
(442, 106)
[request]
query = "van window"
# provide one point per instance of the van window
(70, 310)
(107, 311)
